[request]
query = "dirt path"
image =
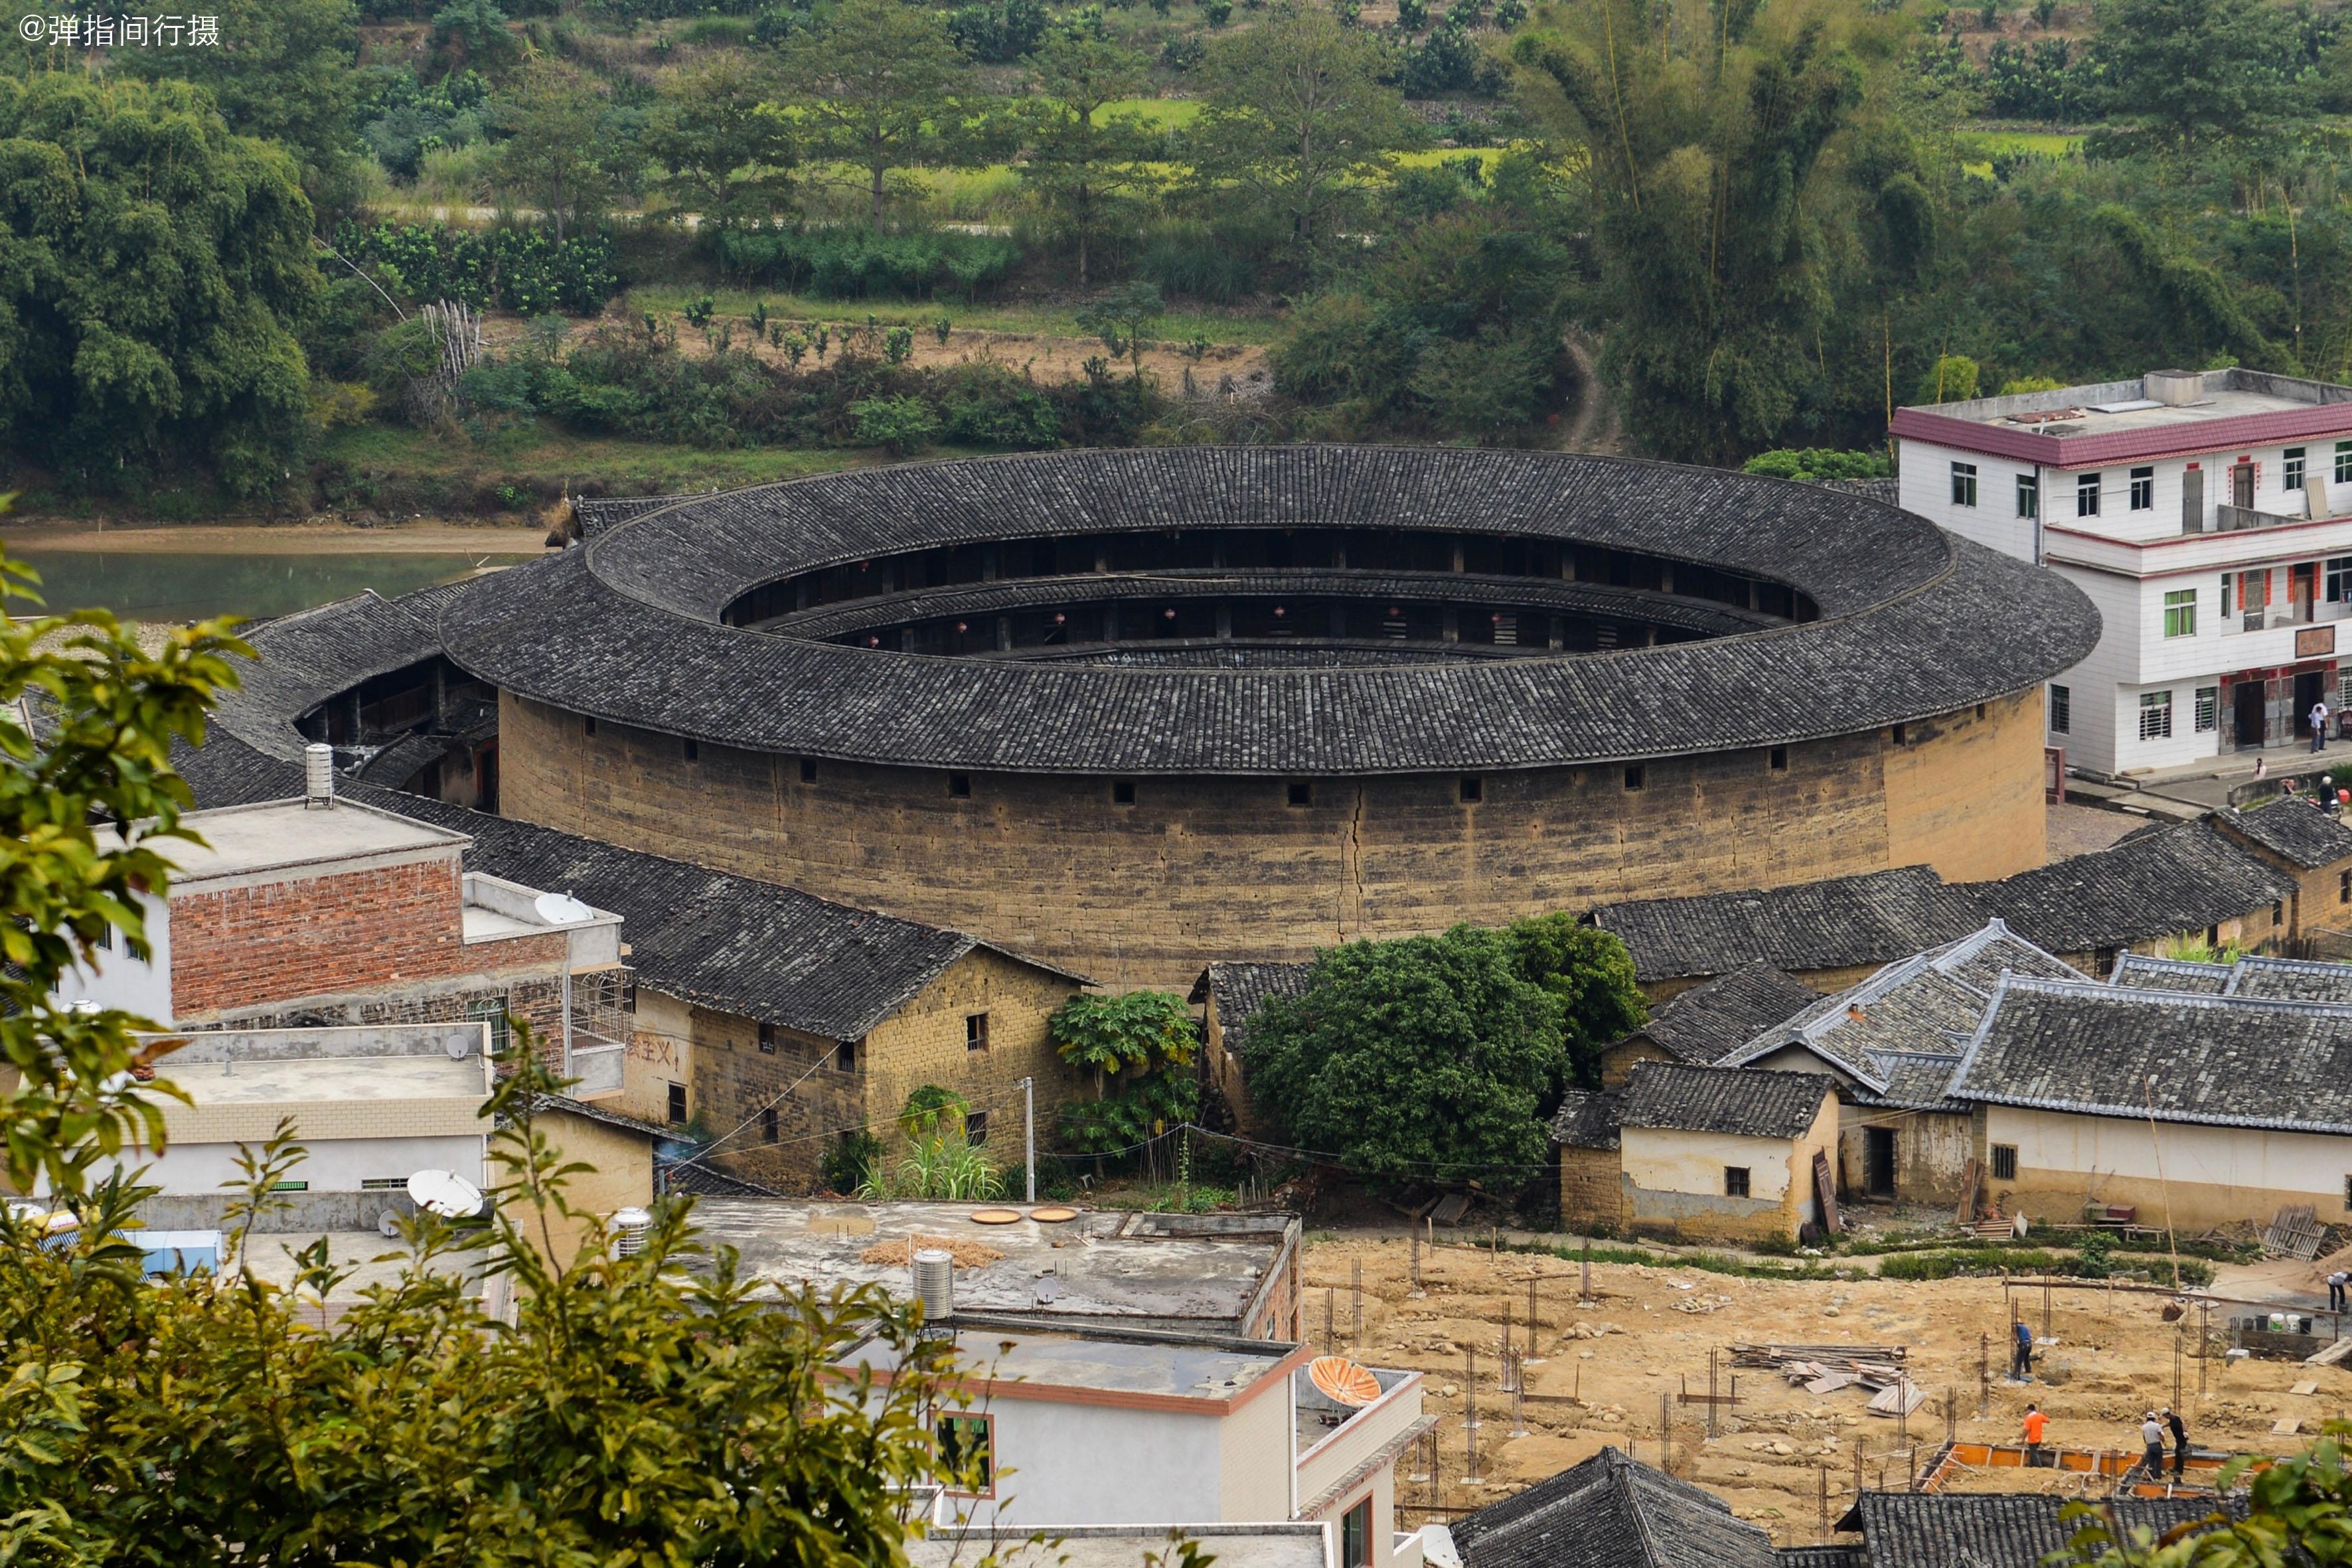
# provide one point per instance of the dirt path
(1601, 1367)
(1596, 428)
(438, 538)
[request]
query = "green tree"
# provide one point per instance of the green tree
(284, 71)
(1297, 120)
(2187, 77)
(1703, 149)
(1084, 166)
(722, 151)
(2298, 1511)
(1121, 317)
(1430, 1057)
(152, 266)
(1589, 972)
(557, 156)
(874, 88)
(1139, 1047)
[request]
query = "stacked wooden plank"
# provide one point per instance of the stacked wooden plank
(2295, 1232)
(1825, 1369)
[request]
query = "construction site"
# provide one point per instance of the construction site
(1790, 1396)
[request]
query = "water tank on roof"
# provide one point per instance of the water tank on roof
(935, 1282)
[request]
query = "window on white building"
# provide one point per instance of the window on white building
(2062, 709)
(2209, 709)
(2291, 471)
(2180, 613)
(2029, 494)
(1964, 484)
(2340, 579)
(2229, 598)
(2143, 489)
(2344, 462)
(2156, 715)
(2086, 495)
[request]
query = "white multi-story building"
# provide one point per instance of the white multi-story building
(2208, 514)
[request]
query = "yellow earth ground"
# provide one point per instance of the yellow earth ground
(1601, 1367)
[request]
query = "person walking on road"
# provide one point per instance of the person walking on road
(2022, 1362)
(2151, 1434)
(2179, 1441)
(2318, 717)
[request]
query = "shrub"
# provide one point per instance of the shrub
(1819, 463)
(525, 270)
(850, 1161)
(845, 264)
(1183, 53)
(901, 425)
(998, 31)
(987, 406)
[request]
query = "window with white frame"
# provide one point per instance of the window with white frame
(2086, 495)
(2229, 594)
(2344, 692)
(2180, 613)
(2156, 715)
(2209, 709)
(1964, 484)
(2061, 708)
(2291, 471)
(2029, 494)
(2344, 462)
(2143, 489)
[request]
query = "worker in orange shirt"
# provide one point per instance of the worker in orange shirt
(2036, 1424)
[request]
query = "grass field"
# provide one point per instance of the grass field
(1981, 146)
(543, 456)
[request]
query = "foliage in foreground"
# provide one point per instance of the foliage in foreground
(2298, 1511)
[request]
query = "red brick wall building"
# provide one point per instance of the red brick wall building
(246, 945)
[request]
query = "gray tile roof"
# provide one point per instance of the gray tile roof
(1840, 922)
(2160, 881)
(754, 948)
(1240, 989)
(2291, 980)
(1587, 1118)
(1964, 1530)
(2225, 1061)
(1610, 1512)
(2294, 830)
(1706, 1023)
(2146, 974)
(1823, 1557)
(1913, 622)
(312, 655)
(1671, 1097)
(2181, 879)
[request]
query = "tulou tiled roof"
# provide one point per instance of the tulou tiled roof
(2119, 1050)
(2143, 973)
(2181, 879)
(312, 655)
(2294, 830)
(1839, 922)
(1706, 1023)
(1610, 1512)
(1240, 989)
(1913, 622)
(1963, 1529)
(1668, 1096)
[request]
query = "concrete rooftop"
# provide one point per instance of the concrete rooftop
(2085, 420)
(1160, 1365)
(1102, 1265)
(1290, 1545)
(247, 1082)
(285, 835)
(1315, 1415)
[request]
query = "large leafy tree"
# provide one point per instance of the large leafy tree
(1432, 1056)
(2186, 78)
(1703, 147)
(152, 269)
(559, 155)
(723, 151)
(1139, 1047)
(1087, 165)
(1298, 120)
(285, 71)
(874, 87)
(1589, 972)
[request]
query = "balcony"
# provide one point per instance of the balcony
(2227, 519)
(601, 1026)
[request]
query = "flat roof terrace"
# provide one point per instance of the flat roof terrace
(1127, 1366)
(1169, 1270)
(2166, 413)
(282, 836)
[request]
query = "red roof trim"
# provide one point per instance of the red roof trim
(2091, 451)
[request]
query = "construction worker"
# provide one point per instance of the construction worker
(2036, 1424)
(2021, 1364)
(2180, 1442)
(2151, 1432)
(2335, 1284)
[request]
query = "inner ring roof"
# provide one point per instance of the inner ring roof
(1913, 622)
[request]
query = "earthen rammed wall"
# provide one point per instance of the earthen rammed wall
(1195, 868)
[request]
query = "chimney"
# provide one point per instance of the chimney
(2173, 388)
(318, 776)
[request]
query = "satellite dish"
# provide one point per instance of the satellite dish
(458, 1048)
(1049, 1290)
(387, 1224)
(1437, 1548)
(1343, 1380)
(445, 1193)
(560, 909)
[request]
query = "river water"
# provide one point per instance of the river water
(161, 585)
